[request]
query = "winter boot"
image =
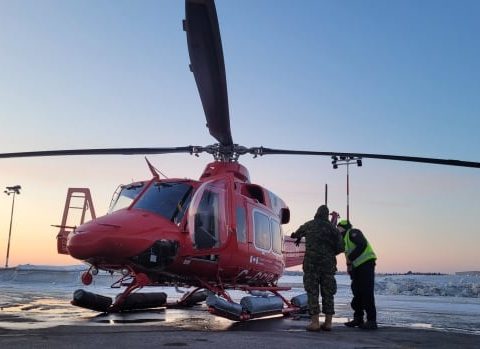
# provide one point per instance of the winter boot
(314, 324)
(327, 325)
(357, 321)
(369, 325)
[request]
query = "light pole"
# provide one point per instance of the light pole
(346, 160)
(11, 190)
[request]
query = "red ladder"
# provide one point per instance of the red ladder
(87, 205)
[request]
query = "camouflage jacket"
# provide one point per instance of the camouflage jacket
(322, 243)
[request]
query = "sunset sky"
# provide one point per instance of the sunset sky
(389, 77)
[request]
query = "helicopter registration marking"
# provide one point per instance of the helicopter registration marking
(255, 276)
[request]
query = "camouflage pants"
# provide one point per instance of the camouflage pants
(313, 281)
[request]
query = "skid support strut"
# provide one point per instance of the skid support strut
(140, 280)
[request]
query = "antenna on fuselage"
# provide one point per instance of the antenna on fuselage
(155, 172)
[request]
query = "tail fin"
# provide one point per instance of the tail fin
(292, 254)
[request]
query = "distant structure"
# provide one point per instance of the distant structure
(345, 160)
(469, 273)
(15, 190)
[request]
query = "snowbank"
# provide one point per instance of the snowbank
(429, 285)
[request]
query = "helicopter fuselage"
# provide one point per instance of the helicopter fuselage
(221, 228)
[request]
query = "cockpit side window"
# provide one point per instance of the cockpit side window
(167, 199)
(124, 196)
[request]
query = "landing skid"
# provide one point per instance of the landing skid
(263, 301)
(130, 300)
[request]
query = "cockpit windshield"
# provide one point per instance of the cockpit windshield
(124, 196)
(167, 199)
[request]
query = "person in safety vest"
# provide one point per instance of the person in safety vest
(361, 267)
(322, 243)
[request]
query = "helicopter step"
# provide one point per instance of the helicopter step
(190, 299)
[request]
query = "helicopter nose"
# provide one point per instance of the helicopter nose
(118, 235)
(95, 240)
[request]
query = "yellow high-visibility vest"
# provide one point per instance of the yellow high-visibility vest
(366, 255)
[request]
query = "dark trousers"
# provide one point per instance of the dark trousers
(363, 281)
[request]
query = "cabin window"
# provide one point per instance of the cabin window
(262, 231)
(241, 224)
(277, 236)
(124, 196)
(275, 202)
(167, 199)
(255, 192)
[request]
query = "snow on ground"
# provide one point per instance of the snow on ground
(39, 296)
(429, 285)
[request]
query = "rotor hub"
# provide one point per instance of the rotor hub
(225, 153)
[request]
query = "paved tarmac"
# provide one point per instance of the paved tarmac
(205, 332)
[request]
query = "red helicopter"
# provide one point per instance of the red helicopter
(217, 233)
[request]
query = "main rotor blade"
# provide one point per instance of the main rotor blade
(207, 65)
(268, 151)
(107, 151)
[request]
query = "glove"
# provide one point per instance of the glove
(297, 242)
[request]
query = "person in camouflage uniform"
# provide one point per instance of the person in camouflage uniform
(322, 243)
